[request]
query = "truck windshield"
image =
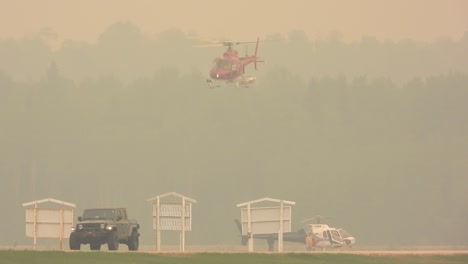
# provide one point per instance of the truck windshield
(99, 214)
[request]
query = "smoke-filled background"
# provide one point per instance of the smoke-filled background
(365, 122)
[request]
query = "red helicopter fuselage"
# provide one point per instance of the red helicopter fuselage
(230, 67)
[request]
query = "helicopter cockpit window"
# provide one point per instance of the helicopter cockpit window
(335, 233)
(343, 233)
(222, 64)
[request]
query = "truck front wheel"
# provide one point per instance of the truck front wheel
(113, 241)
(133, 241)
(74, 243)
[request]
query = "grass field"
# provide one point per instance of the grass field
(52, 257)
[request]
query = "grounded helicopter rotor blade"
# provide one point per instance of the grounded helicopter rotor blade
(317, 218)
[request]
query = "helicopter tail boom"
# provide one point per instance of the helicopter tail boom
(244, 239)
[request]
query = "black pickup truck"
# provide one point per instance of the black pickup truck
(105, 226)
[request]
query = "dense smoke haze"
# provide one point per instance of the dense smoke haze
(370, 133)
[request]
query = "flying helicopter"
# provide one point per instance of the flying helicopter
(230, 67)
(314, 236)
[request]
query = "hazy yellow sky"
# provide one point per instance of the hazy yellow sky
(424, 20)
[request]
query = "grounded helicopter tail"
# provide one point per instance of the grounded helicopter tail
(245, 239)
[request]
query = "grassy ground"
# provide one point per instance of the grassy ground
(52, 257)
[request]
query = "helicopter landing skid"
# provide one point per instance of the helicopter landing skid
(244, 81)
(216, 83)
(240, 83)
(211, 84)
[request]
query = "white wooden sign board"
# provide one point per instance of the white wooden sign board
(266, 220)
(49, 223)
(170, 217)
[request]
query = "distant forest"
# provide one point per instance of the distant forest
(127, 53)
(372, 133)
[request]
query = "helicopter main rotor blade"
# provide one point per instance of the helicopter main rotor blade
(245, 42)
(221, 42)
(208, 45)
(204, 39)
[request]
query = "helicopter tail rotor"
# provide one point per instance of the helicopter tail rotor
(256, 49)
(255, 55)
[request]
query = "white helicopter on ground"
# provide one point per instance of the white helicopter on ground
(314, 236)
(323, 236)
